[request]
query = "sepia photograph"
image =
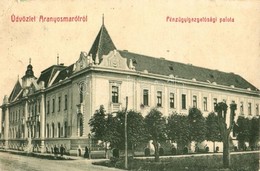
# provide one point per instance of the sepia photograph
(130, 85)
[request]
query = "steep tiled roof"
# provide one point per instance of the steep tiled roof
(48, 74)
(16, 91)
(102, 45)
(186, 71)
(65, 73)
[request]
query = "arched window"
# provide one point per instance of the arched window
(47, 131)
(52, 129)
(65, 129)
(59, 130)
(39, 129)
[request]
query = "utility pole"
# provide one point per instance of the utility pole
(126, 154)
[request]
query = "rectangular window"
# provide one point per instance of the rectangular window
(171, 100)
(48, 107)
(249, 109)
(241, 108)
(35, 109)
(159, 98)
(183, 101)
(59, 103)
(205, 103)
(65, 102)
(215, 102)
(194, 101)
(145, 97)
(257, 109)
(114, 94)
(53, 105)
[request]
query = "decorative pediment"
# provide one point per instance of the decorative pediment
(114, 60)
(83, 61)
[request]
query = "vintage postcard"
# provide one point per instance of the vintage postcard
(92, 82)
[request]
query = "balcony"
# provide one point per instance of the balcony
(116, 107)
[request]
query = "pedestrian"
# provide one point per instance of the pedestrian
(86, 154)
(56, 150)
(62, 149)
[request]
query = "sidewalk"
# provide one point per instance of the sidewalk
(42, 155)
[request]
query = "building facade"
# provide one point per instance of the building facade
(55, 108)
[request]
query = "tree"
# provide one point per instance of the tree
(109, 128)
(197, 125)
(112, 133)
(243, 131)
(178, 129)
(104, 127)
(254, 131)
(213, 131)
(221, 109)
(98, 123)
(155, 125)
(135, 128)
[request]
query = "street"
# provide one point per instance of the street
(12, 162)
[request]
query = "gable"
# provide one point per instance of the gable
(114, 60)
(16, 91)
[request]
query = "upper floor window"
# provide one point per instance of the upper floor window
(215, 102)
(19, 115)
(205, 103)
(241, 108)
(81, 93)
(65, 102)
(249, 109)
(59, 103)
(53, 105)
(114, 94)
(257, 109)
(171, 100)
(35, 108)
(145, 97)
(194, 101)
(48, 107)
(39, 107)
(183, 101)
(159, 98)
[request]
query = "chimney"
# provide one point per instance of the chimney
(58, 59)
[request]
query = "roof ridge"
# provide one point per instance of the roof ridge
(99, 41)
(176, 62)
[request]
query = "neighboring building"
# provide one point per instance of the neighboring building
(56, 107)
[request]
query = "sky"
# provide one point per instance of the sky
(140, 27)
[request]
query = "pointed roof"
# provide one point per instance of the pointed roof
(102, 45)
(16, 91)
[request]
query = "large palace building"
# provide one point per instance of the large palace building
(55, 108)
